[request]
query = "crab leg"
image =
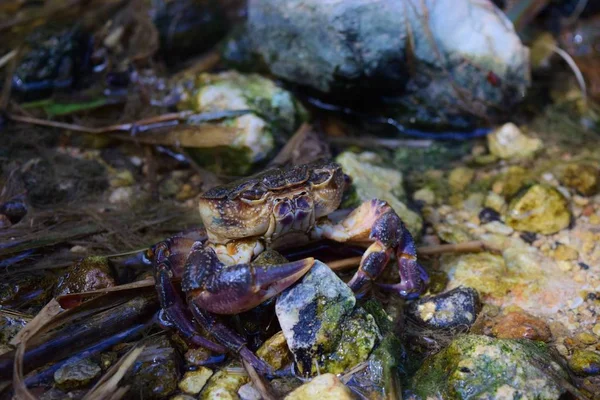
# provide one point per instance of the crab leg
(170, 300)
(377, 223)
(213, 287)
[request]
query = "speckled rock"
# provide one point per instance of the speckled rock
(10, 324)
(456, 308)
(275, 351)
(508, 142)
(585, 363)
(77, 374)
(194, 381)
(226, 383)
(480, 367)
(371, 180)
(583, 178)
(539, 208)
(323, 387)
(321, 325)
(520, 325)
(91, 273)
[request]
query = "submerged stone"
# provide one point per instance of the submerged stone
(373, 181)
(322, 328)
(539, 208)
(275, 351)
(520, 325)
(455, 308)
(193, 381)
(480, 367)
(155, 373)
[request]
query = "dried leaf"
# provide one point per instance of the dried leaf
(71, 300)
(51, 310)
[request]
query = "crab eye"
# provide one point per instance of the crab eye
(320, 177)
(256, 193)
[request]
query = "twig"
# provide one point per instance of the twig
(573, 65)
(258, 382)
(7, 57)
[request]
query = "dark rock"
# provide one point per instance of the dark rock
(456, 308)
(488, 215)
(14, 209)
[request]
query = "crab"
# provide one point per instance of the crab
(278, 208)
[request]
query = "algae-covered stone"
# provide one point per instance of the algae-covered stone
(224, 385)
(90, 273)
(584, 178)
(508, 142)
(321, 326)
(274, 113)
(539, 208)
(373, 181)
(275, 351)
(455, 308)
(194, 381)
(452, 233)
(323, 387)
(511, 181)
(76, 374)
(585, 363)
(480, 367)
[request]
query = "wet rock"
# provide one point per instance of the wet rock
(322, 328)
(275, 113)
(450, 233)
(539, 208)
(91, 273)
(248, 392)
(508, 142)
(370, 180)
(498, 227)
(474, 366)
(77, 374)
(585, 363)
(10, 324)
(155, 373)
(322, 387)
(455, 308)
(197, 356)
(510, 182)
(356, 50)
(460, 178)
(520, 325)
(275, 351)
(121, 195)
(583, 178)
(193, 381)
(495, 202)
(226, 383)
(426, 195)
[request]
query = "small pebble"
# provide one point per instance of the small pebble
(194, 381)
(77, 374)
(565, 253)
(499, 228)
(121, 195)
(587, 338)
(585, 363)
(248, 392)
(529, 237)
(583, 266)
(596, 329)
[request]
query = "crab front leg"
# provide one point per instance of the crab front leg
(377, 223)
(211, 286)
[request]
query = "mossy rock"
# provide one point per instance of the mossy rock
(480, 367)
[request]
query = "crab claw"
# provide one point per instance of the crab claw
(222, 289)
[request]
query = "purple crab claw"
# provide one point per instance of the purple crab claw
(221, 289)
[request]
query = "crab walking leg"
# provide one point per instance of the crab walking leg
(376, 222)
(170, 300)
(213, 287)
